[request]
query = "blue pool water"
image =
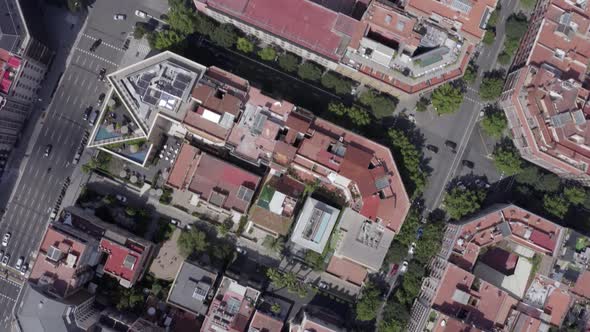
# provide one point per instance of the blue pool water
(103, 134)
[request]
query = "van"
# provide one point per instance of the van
(93, 117)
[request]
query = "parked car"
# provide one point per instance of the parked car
(95, 45)
(323, 285)
(241, 251)
(1, 254)
(432, 148)
(100, 100)
(5, 239)
(119, 17)
(5, 259)
(48, 148)
(393, 270)
(121, 198)
(24, 269)
(404, 267)
(467, 163)
(19, 263)
(126, 44)
(102, 74)
(451, 145)
(87, 112)
(482, 183)
(93, 117)
(412, 249)
(140, 13)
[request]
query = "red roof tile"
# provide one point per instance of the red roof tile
(347, 270)
(264, 323)
(118, 256)
(582, 286)
(557, 305)
(184, 166)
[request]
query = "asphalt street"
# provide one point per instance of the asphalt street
(41, 178)
(461, 128)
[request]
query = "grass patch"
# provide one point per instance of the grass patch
(582, 243)
(265, 197)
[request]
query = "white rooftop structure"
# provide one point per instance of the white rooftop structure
(314, 225)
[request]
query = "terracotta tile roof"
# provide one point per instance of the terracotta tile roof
(347, 270)
(557, 305)
(184, 166)
(265, 323)
(123, 260)
(302, 22)
(582, 286)
(219, 182)
(216, 100)
(195, 120)
(282, 108)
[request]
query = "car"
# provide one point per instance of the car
(87, 112)
(48, 150)
(126, 44)
(467, 163)
(5, 260)
(404, 268)
(121, 198)
(482, 183)
(175, 222)
(100, 100)
(432, 148)
(451, 145)
(93, 117)
(95, 45)
(140, 13)
(102, 74)
(323, 285)
(24, 269)
(5, 239)
(19, 263)
(1, 254)
(241, 251)
(412, 118)
(119, 17)
(393, 270)
(412, 249)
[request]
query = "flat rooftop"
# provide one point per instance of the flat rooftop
(192, 286)
(12, 26)
(314, 225)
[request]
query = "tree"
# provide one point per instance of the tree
(381, 105)
(225, 227)
(411, 284)
(556, 205)
(165, 39)
(309, 71)
(409, 230)
(494, 123)
(528, 4)
(181, 17)
(395, 317)
(411, 159)
(493, 20)
(459, 202)
(504, 58)
(141, 29)
(470, 74)
(507, 160)
(529, 175)
(267, 54)
(396, 253)
(430, 242)
(222, 251)
(289, 62)
(447, 99)
(130, 298)
(491, 87)
(548, 182)
(489, 37)
(516, 26)
(574, 194)
(74, 5)
(369, 303)
(130, 211)
(334, 81)
(244, 45)
(224, 36)
(192, 241)
(422, 104)
(314, 260)
(274, 244)
(204, 25)
(275, 308)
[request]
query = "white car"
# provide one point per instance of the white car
(140, 13)
(404, 268)
(19, 263)
(121, 198)
(412, 249)
(24, 269)
(119, 17)
(5, 239)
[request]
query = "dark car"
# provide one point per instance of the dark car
(101, 74)
(467, 163)
(48, 150)
(126, 44)
(87, 113)
(451, 145)
(432, 148)
(100, 100)
(95, 45)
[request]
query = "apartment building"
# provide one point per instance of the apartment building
(545, 95)
(399, 50)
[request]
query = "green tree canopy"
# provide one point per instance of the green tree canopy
(574, 194)
(430, 242)
(380, 104)
(411, 160)
(244, 45)
(494, 123)
(310, 71)
(192, 241)
(493, 20)
(140, 30)
(411, 284)
(396, 253)
(422, 104)
(528, 4)
(489, 37)
(556, 205)
(447, 99)
(314, 260)
(516, 26)
(274, 244)
(459, 202)
(289, 62)
(507, 160)
(395, 317)
(491, 87)
(548, 182)
(336, 82)
(224, 35)
(163, 40)
(504, 58)
(357, 116)
(470, 74)
(181, 17)
(529, 175)
(267, 54)
(369, 303)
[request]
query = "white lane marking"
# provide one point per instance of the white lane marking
(29, 190)
(84, 63)
(68, 99)
(78, 58)
(52, 134)
(83, 81)
(36, 173)
(103, 43)
(75, 100)
(97, 57)
(61, 94)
